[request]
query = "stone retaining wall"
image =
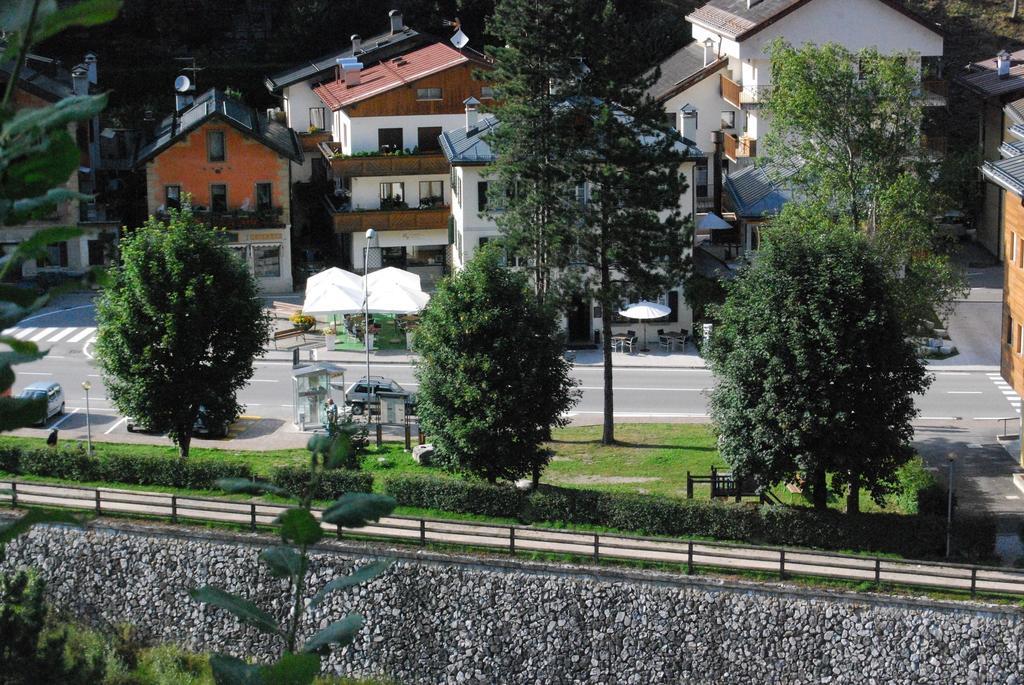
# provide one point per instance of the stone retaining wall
(451, 619)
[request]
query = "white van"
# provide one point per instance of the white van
(54, 395)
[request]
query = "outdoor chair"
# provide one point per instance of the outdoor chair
(665, 342)
(630, 342)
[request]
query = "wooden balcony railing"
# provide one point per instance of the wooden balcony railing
(731, 91)
(311, 141)
(391, 220)
(739, 146)
(383, 164)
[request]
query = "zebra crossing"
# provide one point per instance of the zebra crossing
(1011, 396)
(53, 334)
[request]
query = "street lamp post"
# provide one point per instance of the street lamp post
(371, 237)
(951, 457)
(87, 386)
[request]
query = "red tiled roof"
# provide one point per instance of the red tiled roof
(390, 74)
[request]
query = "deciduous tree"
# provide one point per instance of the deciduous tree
(493, 380)
(179, 327)
(815, 374)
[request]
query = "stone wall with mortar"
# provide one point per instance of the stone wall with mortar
(451, 619)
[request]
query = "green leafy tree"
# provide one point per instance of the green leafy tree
(493, 379)
(633, 239)
(179, 327)
(299, 663)
(848, 125)
(534, 69)
(815, 375)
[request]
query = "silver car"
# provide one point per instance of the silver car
(53, 393)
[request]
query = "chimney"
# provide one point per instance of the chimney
(688, 123)
(1003, 63)
(471, 104)
(717, 138)
(751, 3)
(351, 68)
(709, 51)
(80, 80)
(396, 21)
(90, 64)
(357, 43)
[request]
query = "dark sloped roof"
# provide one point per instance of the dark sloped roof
(982, 78)
(682, 69)
(214, 104)
(1007, 173)
(754, 193)
(469, 147)
(1015, 110)
(374, 49)
(734, 19)
(50, 87)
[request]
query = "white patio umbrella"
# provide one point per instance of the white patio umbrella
(644, 311)
(333, 276)
(391, 276)
(390, 298)
(333, 299)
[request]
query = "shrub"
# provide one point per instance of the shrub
(132, 469)
(465, 497)
(330, 484)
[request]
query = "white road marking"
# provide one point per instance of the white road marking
(939, 418)
(952, 373)
(1012, 496)
(59, 311)
(261, 380)
(963, 392)
(22, 333)
(81, 335)
(66, 417)
(601, 387)
(33, 373)
(64, 333)
(640, 414)
(43, 332)
(112, 428)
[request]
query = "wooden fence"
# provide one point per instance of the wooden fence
(691, 554)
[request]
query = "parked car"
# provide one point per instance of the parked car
(201, 428)
(52, 392)
(356, 395)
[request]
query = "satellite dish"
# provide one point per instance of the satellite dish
(460, 39)
(182, 84)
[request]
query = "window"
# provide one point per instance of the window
(453, 180)
(486, 93)
(392, 195)
(215, 146)
(1019, 259)
(218, 198)
(97, 253)
(671, 120)
(57, 254)
(1009, 330)
(431, 194)
(317, 118)
(389, 139)
(344, 133)
(1020, 339)
(481, 193)
(581, 193)
(427, 138)
(729, 119)
(264, 196)
(172, 197)
(701, 179)
(428, 93)
(267, 261)
(425, 255)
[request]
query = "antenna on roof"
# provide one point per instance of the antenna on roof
(194, 69)
(460, 39)
(182, 84)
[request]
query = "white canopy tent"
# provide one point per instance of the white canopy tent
(644, 311)
(389, 291)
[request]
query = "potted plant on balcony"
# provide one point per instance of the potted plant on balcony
(431, 202)
(393, 203)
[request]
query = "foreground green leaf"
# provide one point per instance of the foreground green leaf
(357, 577)
(82, 13)
(243, 609)
(300, 527)
(251, 487)
(338, 633)
(229, 670)
(354, 510)
(283, 562)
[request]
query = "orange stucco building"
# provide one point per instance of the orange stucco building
(234, 167)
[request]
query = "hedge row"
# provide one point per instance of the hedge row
(132, 469)
(909, 536)
(330, 485)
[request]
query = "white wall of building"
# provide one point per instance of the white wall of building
(298, 99)
(366, 189)
(705, 96)
(396, 239)
(470, 224)
(363, 130)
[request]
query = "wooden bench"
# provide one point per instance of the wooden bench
(288, 334)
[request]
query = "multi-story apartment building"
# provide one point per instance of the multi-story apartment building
(234, 167)
(384, 161)
(105, 161)
(474, 205)
(999, 85)
(719, 81)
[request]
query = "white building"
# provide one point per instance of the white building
(718, 82)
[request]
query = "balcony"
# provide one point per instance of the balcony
(237, 219)
(737, 147)
(731, 91)
(752, 97)
(310, 142)
(934, 92)
(357, 221)
(934, 146)
(414, 164)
